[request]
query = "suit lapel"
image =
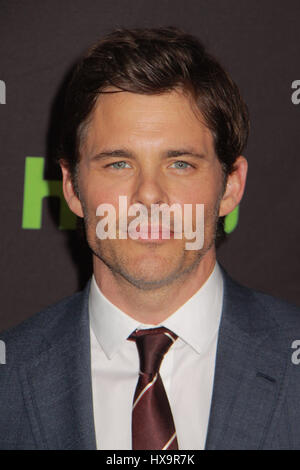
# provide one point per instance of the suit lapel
(57, 386)
(249, 374)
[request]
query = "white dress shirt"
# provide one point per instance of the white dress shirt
(187, 370)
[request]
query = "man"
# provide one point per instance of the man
(162, 350)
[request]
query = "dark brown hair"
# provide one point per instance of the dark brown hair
(152, 61)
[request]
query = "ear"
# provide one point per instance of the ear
(235, 187)
(69, 193)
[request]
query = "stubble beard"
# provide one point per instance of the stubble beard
(116, 262)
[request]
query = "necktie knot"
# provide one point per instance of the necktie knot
(152, 345)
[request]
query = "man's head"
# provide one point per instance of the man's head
(154, 102)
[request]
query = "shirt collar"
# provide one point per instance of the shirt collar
(196, 322)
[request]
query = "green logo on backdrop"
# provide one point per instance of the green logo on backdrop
(36, 188)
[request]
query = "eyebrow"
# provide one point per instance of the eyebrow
(105, 154)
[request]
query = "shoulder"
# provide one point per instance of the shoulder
(283, 311)
(46, 327)
(264, 308)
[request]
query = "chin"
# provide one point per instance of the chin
(149, 271)
(148, 282)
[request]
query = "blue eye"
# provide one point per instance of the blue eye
(181, 165)
(118, 165)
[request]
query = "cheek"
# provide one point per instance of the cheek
(205, 194)
(96, 191)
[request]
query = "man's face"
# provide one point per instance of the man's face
(162, 153)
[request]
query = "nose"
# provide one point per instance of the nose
(150, 189)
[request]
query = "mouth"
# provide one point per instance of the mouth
(151, 234)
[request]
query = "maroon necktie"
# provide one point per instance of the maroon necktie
(152, 422)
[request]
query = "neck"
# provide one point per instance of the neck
(155, 305)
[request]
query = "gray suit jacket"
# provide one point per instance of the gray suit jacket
(46, 392)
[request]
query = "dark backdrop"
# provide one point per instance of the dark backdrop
(257, 41)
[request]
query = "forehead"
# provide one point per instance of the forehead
(124, 118)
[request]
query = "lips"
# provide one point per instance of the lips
(152, 232)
